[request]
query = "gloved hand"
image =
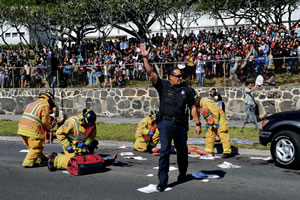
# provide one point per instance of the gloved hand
(81, 145)
(70, 149)
(207, 127)
(217, 126)
(150, 133)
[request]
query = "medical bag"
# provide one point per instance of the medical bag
(85, 164)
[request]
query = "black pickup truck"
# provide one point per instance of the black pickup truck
(282, 130)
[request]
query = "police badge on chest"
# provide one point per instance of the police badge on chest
(183, 93)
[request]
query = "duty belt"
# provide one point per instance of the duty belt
(175, 120)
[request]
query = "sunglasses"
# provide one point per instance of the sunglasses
(177, 76)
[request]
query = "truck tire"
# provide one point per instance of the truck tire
(285, 149)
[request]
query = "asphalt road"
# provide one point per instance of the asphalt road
(256, 179)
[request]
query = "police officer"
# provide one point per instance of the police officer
(175, 100)
(35, 118)
(76, 136)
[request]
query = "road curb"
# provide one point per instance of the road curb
(117, 144)
(123, 120)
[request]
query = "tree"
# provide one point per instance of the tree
(136, 17)
(3, 24)
(216, 9)
(179, 17)
(257, 12)
(103, 17)
(74, 18)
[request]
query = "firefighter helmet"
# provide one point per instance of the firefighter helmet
(88, 117)
(154, 115)
(49, 97)
(196, 97)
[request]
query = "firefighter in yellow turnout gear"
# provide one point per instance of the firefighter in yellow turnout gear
(147, 134)
(216, 123)
(75, 135)
(35, 118)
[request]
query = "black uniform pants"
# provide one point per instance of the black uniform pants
(167, 132)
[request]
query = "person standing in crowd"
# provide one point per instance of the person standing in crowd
(147, 134)
(249, 102)
(261, 63)
(176, 99)
(216, 124)
(293, 61)
(19, 72)
(200, 70)
(189, 59)
(1, 77)
(77, 137)
(68, 71)
(7, 76)
(27, 75)
(277, 52)
(107, 73)
(35, 118)
(217, 98)
(52, 62)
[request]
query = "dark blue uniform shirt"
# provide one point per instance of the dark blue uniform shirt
(174, 100)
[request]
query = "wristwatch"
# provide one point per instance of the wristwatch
(198, 124)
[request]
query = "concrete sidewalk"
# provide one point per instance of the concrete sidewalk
(116, 120)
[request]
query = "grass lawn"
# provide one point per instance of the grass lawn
(126, 132)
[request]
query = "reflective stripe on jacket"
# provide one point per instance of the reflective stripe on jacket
(35, 117)
(211, 113)
(72, 132)
(142, 131)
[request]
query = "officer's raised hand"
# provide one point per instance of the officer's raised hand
(143, 51)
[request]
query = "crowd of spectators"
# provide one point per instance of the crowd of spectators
(206, 54)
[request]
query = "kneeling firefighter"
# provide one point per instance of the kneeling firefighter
(147, 134)
(35, 118)
(77, 137)
(216, 123)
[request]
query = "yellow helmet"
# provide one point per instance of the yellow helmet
(153, 114)
(197, 99)
(49, 97)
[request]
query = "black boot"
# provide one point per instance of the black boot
(51, 167)
(181, 178)
(161, 187)
(91, 147)
(227, 155)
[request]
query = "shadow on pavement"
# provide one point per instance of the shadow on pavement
(189, 177)
(234, 150)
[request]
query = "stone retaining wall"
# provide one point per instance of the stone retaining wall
(137, 102)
